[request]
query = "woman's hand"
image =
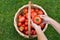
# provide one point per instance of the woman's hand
(46, 18)
(40, 34)
(35, 26)
(51, 21)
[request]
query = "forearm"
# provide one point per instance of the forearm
(40, 34)
(55, 25)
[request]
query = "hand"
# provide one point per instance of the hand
(35, 26)
(40, 34)
(45, 18)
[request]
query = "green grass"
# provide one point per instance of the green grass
(8, 8)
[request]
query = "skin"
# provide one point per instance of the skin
(51, 21)
(47, 19)
(40, 34)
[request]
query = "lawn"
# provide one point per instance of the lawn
(8, 8)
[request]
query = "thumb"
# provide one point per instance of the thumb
(42, 16)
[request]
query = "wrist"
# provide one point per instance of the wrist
(50, 20)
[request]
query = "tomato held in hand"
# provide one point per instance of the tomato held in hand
(37, 20)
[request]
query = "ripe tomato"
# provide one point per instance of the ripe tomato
(26, 32)
(32, 10)
(26, 15)
(26, 20)
(19, 16)
(26, 23)
(26, 28)
(42, 25)
(33, 14)
(19, 24)
(21, 28)
(40, 12)
(25, 10)
(33, 32)
(37, 20)
(36, 9)
(23, 25)
(22, 19)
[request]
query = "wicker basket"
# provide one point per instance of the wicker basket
(15, 22)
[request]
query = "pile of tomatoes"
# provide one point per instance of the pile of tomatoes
(22, 20)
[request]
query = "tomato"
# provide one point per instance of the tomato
(33, 32)
(42, 25)
(19, 16)
(23, 25)
(26, 28)
(26, 23)
(40, 12)
(36, 9)
(33, 14)
(32, 10)
(37, 20)
(22, 19)
(26, 15)
(26, 32)
(19, 24)
(26, 20)
(25, 10)
(21, 28)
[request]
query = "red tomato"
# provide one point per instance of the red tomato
(21, 28)
(32, 10)
(26, 28)
(37, 20)
(25, 10)
(42, 25)
(22, 19)
(33, 32)
(26, 23)
(19, 16)
(40, 12)
(26, 32)
(23, 25)
(26, 20)
(33, 14)
(19, 24)
(26, 15)
(36, 9)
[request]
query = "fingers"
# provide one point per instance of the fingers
(35, 26)
(42, 16)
